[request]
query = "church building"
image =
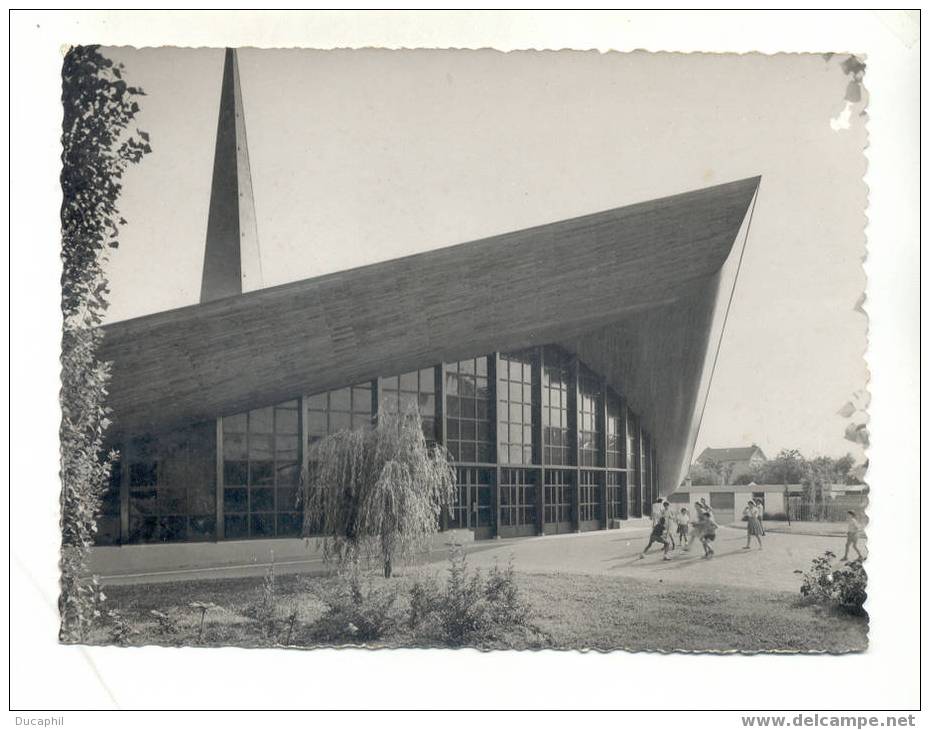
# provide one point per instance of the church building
(565, 367)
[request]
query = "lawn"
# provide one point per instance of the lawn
(567, 611)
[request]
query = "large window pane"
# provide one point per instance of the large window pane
(172, 480)
(515, 432)
(468, 421)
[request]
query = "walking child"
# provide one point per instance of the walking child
(753, 524)
(708, 533)
(761, 505)
(684, 520)
(853, 532)
(696, 527)
(670, 521)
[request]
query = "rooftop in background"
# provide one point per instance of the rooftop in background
(738, 453)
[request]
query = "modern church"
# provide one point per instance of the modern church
(565, 368)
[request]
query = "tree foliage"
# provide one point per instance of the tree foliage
(790, 466)
(96, 150)
(377, 493)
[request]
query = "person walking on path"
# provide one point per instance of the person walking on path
(708, 530)
(853, 533)
(683, 520)
(696, 527)
(753, 524)
(669, 514)
(761, 505)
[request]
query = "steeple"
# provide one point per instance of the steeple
(231, 263)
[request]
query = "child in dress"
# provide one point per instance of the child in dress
(853, 532)
(753, 524)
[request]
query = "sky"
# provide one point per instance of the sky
(364, 156)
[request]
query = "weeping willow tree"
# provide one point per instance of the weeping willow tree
(377, 494)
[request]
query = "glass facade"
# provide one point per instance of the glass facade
(616, 434)
(515, 388)
(558, 490)
(557, 403)
(338, 410)
(413, 390)
(518, 491)
(634, 463)
(541, 444)
(590, 417)
(616, 495)
(172, 486)
(589, 499)
(469, 411)
(261, 473)
(474, 505)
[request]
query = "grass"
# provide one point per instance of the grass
(570, 612)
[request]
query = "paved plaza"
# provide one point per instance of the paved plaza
(615, 553)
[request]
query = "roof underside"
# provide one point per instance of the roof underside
(634, 291)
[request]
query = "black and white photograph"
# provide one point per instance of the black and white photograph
(544, 351)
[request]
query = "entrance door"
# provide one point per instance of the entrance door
(558, 507)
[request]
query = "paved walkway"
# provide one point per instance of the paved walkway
(615, 553)
(612, 553)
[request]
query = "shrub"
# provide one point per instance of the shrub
(166, 625)
(264, 611)
(844, 587)
(119, 628)
(355, 613)
(463, 612)
(507, 606)
(467, 609)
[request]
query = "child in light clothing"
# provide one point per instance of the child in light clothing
(670, 520)
(853, 532)
(684, 519)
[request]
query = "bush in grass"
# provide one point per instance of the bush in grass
(167, 626)
(507, 606)
(119, 627)
(467, 609)
(264, 611)
(844, 587)
(355, 612)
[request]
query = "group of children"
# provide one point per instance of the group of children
(667, 523)
(664, 517)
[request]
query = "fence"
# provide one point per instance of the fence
(830, 510)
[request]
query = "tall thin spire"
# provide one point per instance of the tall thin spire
(232, 262)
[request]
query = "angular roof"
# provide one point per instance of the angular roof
(638, 292)
(739, 453)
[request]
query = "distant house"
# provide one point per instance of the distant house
(734, 462)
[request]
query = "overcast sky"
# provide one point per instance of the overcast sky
(363, 156)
